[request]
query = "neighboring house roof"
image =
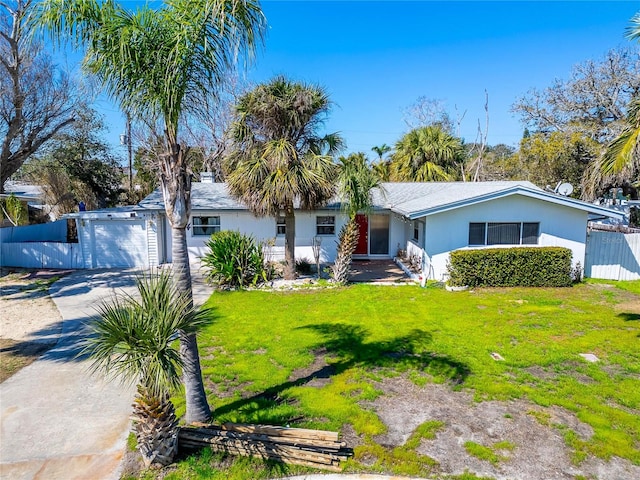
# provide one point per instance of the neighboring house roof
(26, 192)
(412, 200)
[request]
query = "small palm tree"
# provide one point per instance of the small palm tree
(135, 340)
(426, 154)
(356, 180)
(279, 162)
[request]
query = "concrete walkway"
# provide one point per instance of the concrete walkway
(58, 420)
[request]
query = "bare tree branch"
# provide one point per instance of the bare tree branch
(592, 101)
(36, 100)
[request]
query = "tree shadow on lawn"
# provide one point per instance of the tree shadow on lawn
(347, 347)
(629, 317)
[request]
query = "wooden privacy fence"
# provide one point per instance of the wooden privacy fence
(612, 255)
(297, 446)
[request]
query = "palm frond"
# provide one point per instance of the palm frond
(624, 151)
(154, 59)
(279, 159)
(633, 30)
(356, 180)
(133, 337)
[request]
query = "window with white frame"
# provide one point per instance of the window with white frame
(504, 233)
(325, 225)
(205, 226)
(281, 228)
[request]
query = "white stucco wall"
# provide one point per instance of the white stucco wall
(263, 229)
(559, 227)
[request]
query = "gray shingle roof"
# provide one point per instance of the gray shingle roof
(412, 200)
(204, 196)
(409, 198)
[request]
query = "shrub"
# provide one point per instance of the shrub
(233, 260)
(303, 266)
(511, 267)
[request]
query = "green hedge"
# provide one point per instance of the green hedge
(511, 267)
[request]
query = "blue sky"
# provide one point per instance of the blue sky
(375, 58)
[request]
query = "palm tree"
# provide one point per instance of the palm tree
(624, 152)
(356, 180)
(278, 161)
(382, 170)
(426, 154)
(134, 339)
(381, 150)
(156, 62)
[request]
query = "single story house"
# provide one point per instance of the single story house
(427, 220)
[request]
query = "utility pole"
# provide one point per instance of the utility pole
(125, 139)
(130, 152)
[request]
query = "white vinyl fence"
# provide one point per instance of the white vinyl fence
(39, 246)
(41, 255)
(612, 255)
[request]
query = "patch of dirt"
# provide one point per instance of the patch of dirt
(27, 314)
(540, 452)
(317, 374)
(29, 320)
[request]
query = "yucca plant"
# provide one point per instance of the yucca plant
(134, 339)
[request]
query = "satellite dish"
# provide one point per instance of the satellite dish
(564, 189)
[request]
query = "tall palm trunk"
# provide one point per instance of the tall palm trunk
(290, 243)
(176, 189)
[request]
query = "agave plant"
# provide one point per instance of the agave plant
(134, 339)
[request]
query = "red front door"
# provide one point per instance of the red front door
(363, 239)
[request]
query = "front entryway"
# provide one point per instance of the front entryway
(377, 271)
(374, 235)
(363, 238)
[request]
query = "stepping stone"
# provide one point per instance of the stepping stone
(590, 357)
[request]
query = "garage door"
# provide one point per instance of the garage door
(120, 243)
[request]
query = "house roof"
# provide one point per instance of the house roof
(205, 196)
(412, 200)
(415, 200)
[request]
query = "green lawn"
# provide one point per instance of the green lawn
(367, 332)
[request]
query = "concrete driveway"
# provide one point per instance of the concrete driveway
(58, 420)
